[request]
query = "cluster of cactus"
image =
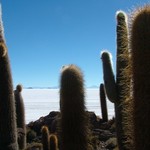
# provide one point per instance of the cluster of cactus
(74, 120)
(74, 123)
(49, 141)
(130, 90)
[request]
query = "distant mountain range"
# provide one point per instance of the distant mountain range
(56, 87)
(93, 87)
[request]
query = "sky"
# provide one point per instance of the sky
(44, 35)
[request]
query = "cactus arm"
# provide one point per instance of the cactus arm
(109, 79)
(103, 103)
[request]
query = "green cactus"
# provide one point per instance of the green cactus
(20, 115)
(8, 128)
(53, 142)
(103, 103)
(140, 54)
(109, 79)
(45, 137)
(121, 88)
(74, 122)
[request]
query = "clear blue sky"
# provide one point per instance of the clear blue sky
(43, 35)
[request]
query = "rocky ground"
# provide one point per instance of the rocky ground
(103, 133)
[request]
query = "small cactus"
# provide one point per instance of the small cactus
(53, 142)
(20, 114)
(31, 135)
(45, 138)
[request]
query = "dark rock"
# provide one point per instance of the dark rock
(93, 119)
(53, 114)
(103, 133)
(47, 121)
(107, 125)
(54, 125)
(111, 143)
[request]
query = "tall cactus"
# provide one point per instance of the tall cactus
(121, 88)
(140, 52)
(20, 114)
(74, 124)
(123, 85)
(8, 129)
(103, 103)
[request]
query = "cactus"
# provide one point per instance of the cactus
(109, 79)
(20, 114)
(123, 85)
(45, 138)
(103, 103)
(8, 128)
(121, 88)
(53, 142)
(74, 122)
(140, 54)
(31, 135)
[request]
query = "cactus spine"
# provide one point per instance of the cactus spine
(103, 103)
(53, 142)
(8, 128)
(122, 85)
(74, 129)
(45, 138)
(20, 114)
(140, 52)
